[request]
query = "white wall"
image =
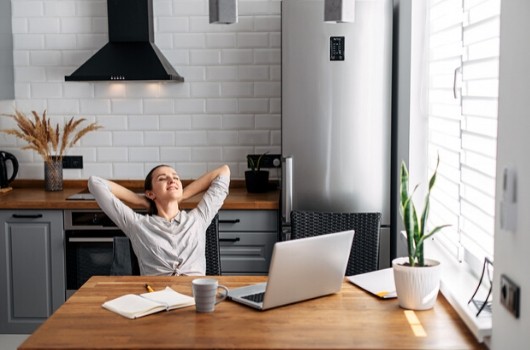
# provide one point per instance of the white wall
(512, 249)
(228, 106)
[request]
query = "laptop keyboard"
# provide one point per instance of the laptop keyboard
(257, 298)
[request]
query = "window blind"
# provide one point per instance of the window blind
(462, 117)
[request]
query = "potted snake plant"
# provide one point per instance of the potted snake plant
(417, 279)
(256, 180)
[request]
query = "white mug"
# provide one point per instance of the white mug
(205, 294)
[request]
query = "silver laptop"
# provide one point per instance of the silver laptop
(300, 269)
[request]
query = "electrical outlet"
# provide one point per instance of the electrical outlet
(510, 295)
(73, 162)
(267, 160)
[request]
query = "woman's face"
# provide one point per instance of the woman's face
(166, 185)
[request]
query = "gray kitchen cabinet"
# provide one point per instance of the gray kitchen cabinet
(246, 240)
(32, 271)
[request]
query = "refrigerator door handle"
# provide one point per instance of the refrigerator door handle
(287, 189)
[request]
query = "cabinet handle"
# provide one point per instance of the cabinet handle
(233, 240)
(90, 239)
(235, 221)
(27, 216)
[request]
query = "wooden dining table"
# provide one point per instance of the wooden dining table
(350, 319)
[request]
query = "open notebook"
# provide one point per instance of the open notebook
(134, 305)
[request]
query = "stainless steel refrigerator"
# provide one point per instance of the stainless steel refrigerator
(336, 111)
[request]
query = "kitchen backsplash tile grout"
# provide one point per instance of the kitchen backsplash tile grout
(228, 106)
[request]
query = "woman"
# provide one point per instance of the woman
(167, 241)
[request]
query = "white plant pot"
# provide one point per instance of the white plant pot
(416, 287)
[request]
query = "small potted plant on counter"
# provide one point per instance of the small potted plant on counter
(256, 180)
(417, 279)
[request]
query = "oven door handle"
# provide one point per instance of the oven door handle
(90, 239)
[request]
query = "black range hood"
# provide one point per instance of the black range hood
(130, 53)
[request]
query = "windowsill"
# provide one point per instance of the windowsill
(457, 286)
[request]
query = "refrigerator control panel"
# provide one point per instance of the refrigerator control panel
(336, 48)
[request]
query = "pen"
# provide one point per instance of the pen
(148, 287)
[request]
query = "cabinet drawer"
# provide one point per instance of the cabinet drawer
(248, 220)
(246, 252)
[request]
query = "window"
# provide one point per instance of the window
(463, 71)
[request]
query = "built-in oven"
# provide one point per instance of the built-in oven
(89, 246)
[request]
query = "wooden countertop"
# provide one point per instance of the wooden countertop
(30, 194)
(350, 319)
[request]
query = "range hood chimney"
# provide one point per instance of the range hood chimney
(130, 53)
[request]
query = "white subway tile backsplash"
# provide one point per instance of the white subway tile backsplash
(238, 121)
(205, 57)
(206, 90)
(159, 138)
(95, 106)
(175, 154)
(98, 138)
(221, 40)
(128, 171)
(113, 122)
(43, 25)
(63, 106)
(91, 8)
(190, 105)
(253, 105)
(228, 106)
(28, 41)
(143, 122)
(21, 58)
(207, 121)
(267, 24)
(189, 40)
(221, 105)
(237, 89)
(236, 56)
(258, 138)
(222, 138)
(253, 40)
(205, 154)
(158, 106)
(189, 8)
(126, 106)
(267, 89)
(19, 25)
(45, 58)
(253, 73)
(267, 56)
(91, 41)
(112, 154)
(175, 122)
(191, 138)
(268, 122)
(127, 138)
(76, 25)
(221, 73)
(27, 8)
(78, 90)
(30, 74)
(144, 154)
(59, 8)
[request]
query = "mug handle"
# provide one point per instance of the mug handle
(223, 295)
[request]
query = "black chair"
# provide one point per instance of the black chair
(124, 261)
(364, 254)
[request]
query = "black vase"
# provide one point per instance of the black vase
(257, 181)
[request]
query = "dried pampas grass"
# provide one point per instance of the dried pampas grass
(45, 139)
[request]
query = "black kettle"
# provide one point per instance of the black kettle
(5, 180)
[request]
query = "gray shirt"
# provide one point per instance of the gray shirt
(175, 247)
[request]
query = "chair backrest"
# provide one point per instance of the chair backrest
(364, 254)
(125, 262)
